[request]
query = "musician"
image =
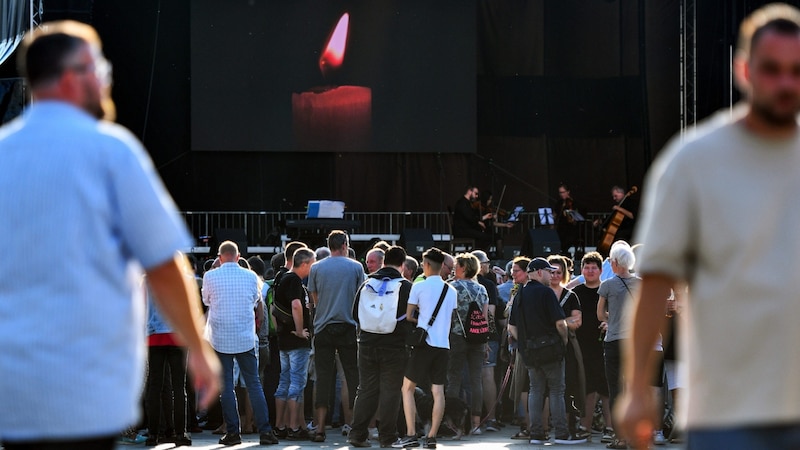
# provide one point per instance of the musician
(628, 207)
(468, 221)
(566, 227)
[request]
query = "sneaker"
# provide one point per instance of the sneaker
(183, 440)
(583, 433)
(658, 438)
(617, 444)
(608, 436)
(318, 437)
(476, 431)
(230, 439)
(297, 435)
(538, 439)
(311, 426)
(372, 433)
(492, 425)
(522, 435)
(568, 440)
(359, 444)
(346, 429)
(267, 438)
(281, 433)
(131, 437)
(430, 442)
(405, 442)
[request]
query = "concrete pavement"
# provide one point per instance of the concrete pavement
(335, 440)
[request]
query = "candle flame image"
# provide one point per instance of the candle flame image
(333, 55)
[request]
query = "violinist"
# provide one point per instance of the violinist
(498, 214)
(468, 221)
(566, 227)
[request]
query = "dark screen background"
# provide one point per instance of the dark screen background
(418, 57)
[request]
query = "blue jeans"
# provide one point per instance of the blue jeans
(294, 374)
(548, 376)
(744, 438)
(248, 365)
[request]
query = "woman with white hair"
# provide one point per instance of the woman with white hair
(616, 294)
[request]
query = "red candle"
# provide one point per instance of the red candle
(336, 118)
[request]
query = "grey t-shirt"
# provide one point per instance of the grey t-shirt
(336, 280)
(618, 300)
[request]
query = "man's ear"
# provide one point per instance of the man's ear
(741, 74)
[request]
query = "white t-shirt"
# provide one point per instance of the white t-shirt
(722, 211)
(425, 294)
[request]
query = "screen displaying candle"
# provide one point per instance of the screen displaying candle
(305, 75)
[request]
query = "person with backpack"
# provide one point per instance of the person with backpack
(380, 311)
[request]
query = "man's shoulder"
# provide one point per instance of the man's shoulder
(336, 263)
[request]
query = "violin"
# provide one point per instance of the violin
(566, 207)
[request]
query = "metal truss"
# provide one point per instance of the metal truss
(688, 66)
(36, 13)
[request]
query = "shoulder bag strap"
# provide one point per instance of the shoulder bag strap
(625, 284)
(438, 305)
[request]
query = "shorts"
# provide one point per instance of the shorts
(428, 363)
(673, 372)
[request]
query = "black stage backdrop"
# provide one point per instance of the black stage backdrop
(581, 91)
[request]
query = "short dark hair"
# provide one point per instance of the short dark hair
(777, 17)
(257, 265)
(395, 256)
(44, 52)
(336, 239)
(302, 256)
(435, 258)
(293, 247)
(592, 258)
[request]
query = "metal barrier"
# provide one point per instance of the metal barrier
(267, 228)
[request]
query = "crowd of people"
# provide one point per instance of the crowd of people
(319, 314)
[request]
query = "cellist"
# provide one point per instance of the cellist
(628, 206)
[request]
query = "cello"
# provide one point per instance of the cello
(613, 225)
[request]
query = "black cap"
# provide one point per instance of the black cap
(539, 264)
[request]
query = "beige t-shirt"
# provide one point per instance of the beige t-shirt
(722, 211)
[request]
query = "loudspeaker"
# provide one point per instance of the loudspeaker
(541, 242)
(221, 235)
(416, 241)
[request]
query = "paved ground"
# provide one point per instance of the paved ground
(335, 440)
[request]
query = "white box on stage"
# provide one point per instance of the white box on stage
(325, 209)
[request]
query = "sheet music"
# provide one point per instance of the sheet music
(546, 216)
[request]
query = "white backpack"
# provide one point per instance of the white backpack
(377, 306)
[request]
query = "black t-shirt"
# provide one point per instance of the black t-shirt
(290, 287)
(465, 217)
(494, 299)
(589, 333)
(572, 302)
(535, 311)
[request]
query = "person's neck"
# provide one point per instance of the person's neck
(758, 125)
(592, 285)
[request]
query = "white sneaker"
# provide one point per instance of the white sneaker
(346, 429)
(373, 433)
(476, 431)
(658, 438)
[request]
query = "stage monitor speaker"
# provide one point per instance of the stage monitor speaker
(541, 242)
(221, 235)
(416, 241)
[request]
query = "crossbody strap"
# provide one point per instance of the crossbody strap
(438, 305)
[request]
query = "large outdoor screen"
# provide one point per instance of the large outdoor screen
(333, 75)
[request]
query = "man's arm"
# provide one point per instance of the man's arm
(410, 309)
(636, 415)
(561, 327)
(297, 315)
(314, 298)
(176, 297)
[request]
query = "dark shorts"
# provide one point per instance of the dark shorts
(428, 363)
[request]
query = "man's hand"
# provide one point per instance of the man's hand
(635, 417)
(205, 372)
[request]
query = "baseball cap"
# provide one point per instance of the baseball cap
(481, 255)
(539, 264)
